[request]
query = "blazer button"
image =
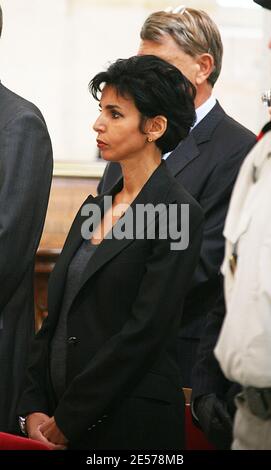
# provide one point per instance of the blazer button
(72, 340)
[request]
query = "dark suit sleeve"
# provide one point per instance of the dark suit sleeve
(36, 390)
(214, 202)
(123, 360)
(25, 179)
(207, 376)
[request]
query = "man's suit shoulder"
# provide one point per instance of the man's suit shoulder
(235, 130)
(13, 106)
(221, 140)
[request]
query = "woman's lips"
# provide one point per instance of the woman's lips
(101, 144)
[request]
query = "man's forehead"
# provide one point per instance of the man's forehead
(165, 44)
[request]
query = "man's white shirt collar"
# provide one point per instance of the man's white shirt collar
(201, 112)
(204, 109)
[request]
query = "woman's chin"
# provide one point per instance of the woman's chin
(107, 157)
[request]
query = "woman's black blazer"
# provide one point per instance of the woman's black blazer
(123, 320)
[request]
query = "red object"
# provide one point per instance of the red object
(194, 437)
(265, 129)
(12, 442)
(260, 136)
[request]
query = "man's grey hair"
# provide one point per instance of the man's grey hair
(193, 30)
(1, 20)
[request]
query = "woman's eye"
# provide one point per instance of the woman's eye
(115, 114)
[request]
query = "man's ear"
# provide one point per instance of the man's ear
(205, 68)
(156, 127)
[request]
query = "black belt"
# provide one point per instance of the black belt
(258, 401)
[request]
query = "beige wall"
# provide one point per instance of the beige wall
(50, 50)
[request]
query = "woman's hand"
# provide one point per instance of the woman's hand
(52, 433)
(34, 422)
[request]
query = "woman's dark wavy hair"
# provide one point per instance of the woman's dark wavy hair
(157, 88)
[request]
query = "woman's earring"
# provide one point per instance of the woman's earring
(149, 139)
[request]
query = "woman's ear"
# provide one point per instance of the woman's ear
(205, 68)
(156, 127)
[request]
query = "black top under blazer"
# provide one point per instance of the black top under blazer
(122, 378)
(26, 165)
(206, 163)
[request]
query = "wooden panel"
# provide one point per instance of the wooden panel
(67, 195)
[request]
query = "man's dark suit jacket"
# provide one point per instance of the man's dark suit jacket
(206, 163)
(25, 179)
(122, 376)
(207, 376)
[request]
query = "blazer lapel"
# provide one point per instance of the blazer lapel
(74, 239)
(189, 148)
(156, 189)
(182, 155)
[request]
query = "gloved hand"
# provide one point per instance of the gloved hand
(214, 420)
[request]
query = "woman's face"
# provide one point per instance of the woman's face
(118, 135)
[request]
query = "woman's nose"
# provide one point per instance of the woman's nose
(99, 125)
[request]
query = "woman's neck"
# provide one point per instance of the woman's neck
(135, 174)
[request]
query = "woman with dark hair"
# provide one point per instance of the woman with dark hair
(103, 371)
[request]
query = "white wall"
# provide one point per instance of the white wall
(50, 50)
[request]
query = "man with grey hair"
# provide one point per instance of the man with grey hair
(25, 180)
(206, 162)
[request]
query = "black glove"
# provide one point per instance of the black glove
(214, 420)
